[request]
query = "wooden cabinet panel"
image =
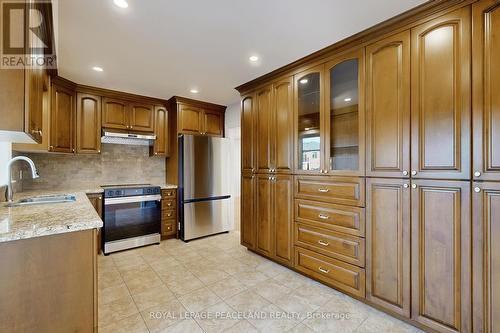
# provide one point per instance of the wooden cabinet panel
(62, 120)
(345, 277)
(190, 120)
(340, 190)
(388, 107)
(486, 249)
(441, 110)
(248, 230)
(345, 219)
(115, 113)
(264, 126)
(263, 215)
(35, 86)
(441, 255)
(248, 133)
(283, 125)
(141, 117)
(213, 123)
(347, 248)
(388, 244)
(161, 145)
(88, 124)
(486, 84)
(283, 218)
(344, 118)
(96, 201)
(168, 213)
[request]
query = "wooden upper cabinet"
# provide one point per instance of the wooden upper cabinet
(213, 123)
(141, 117)
(264, 126)
(441, 255)
(161, 144)
(283, 218)
(308, 115)
(388, 244)
(282, 134)
(248, 230)
(248, 133)
(441, 97)
(345, 115)
(388, 107)
(62, 119)
(486, 249)
(88, 124)
(115, 113)
(35, 87)
(486, 99)
(190, 120)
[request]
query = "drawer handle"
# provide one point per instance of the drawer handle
(169, 204)
(322, 242)
(169, 214)
(323, 217)
(323, 190)
(322, 270)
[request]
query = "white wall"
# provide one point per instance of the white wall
(5, 156)
(233, 133)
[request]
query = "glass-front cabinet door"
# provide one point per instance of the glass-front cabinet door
(344, 115)
(309, 124)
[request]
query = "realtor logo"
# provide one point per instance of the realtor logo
(27, 34)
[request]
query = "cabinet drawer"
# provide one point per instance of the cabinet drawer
(347, 248)
(168, 194)
(338, 190)
(345, 219)
(168, 228)
(345, 277)
(168, 214)
(169, 204)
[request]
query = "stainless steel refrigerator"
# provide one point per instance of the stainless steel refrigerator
(203, 187)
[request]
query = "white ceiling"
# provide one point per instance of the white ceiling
(163, 48)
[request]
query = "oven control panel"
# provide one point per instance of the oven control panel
(131, 192)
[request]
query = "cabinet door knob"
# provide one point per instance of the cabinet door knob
(477, 189)
(413, 185)
(413, 173)
(477, 174)
(406, 185)
(405, 173)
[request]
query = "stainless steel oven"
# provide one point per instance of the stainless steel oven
(132, 217)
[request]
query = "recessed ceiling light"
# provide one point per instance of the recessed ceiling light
(98, 69)
(348, 99)
(253, 58)
(193, 91)
(121, 3)
(304, 81)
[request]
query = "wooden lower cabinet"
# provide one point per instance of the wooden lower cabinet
(441, 255)
(273, 217)
(169, 213)
(96, 201)
(338, 190)
(388, 244)
(486, 250)
(247, 210)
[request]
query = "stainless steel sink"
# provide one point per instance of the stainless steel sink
(43, 199)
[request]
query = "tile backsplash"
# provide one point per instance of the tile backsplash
(117, 164)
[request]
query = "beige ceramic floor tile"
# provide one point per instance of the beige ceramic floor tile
(161, 316)
(199, 299)
(247, 301)
(184, 326)
(132, 324)
(112, 293)
(275, 321)
(219, 318)
(271, 290)
(250, 278)
(243, 326)
(184, 286)
(152, 297)
(143, 283)
(108, 279)
(209, 276)
(116, 311)
(227, 288)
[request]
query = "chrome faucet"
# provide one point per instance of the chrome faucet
(9, 194)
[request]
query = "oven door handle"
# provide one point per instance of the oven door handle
(139, 198)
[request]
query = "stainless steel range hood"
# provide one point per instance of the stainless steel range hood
(128, 138)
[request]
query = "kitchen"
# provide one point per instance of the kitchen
(347, 183)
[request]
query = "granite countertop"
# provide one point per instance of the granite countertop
(31, 221)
